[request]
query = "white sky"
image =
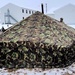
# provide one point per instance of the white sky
(36, 4)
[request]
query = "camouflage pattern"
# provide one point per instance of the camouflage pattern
(26, 54)
(38, 41)
(40, 28)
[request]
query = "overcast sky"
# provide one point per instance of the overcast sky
(35, 4)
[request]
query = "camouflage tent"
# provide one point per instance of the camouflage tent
(37, 41)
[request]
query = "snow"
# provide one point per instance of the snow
(5, 26)
(70, 70)
(71, 25)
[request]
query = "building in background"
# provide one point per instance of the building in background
(66, 12)
(10, 14)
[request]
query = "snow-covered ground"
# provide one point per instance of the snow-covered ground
(70, 70)
(72, 25)
(5, 26)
